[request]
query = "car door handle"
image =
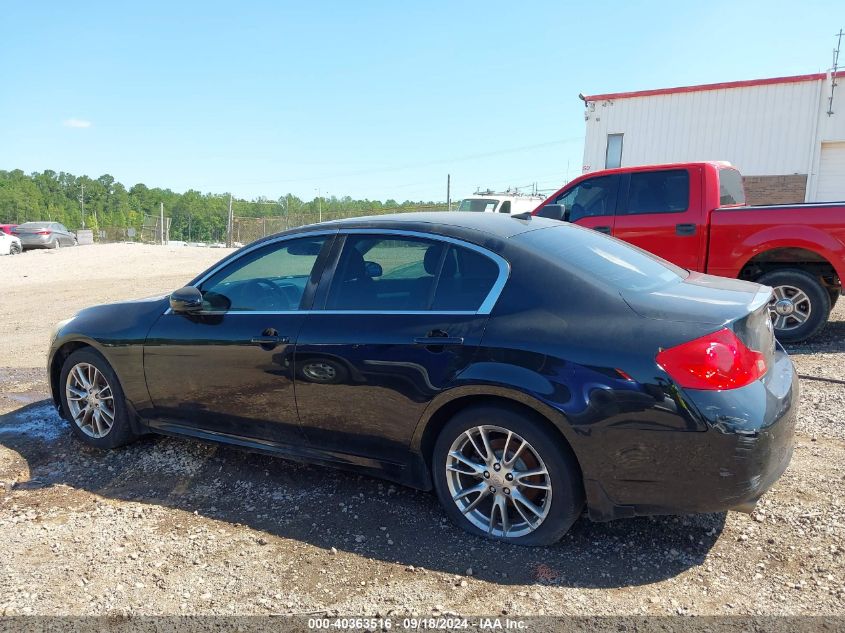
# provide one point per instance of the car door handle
(685, 229)
(439, 340)
(269, 339)
(602, 229)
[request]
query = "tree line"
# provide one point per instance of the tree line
(197, 216)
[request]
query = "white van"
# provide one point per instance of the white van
(489, 202)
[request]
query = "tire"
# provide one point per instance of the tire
(560, 506)
(834, 297)
(119, 432)
(812, 304)
(15, 249)
(57, 243)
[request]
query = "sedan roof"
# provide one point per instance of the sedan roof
(454, 223)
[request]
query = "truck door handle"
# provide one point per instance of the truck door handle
(602, 229)
(685, 229)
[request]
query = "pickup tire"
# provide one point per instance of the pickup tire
(801, 304)
(834, 297)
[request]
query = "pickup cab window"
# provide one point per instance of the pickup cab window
(591, 197)
(665, 191)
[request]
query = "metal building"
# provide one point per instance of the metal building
(785, 134)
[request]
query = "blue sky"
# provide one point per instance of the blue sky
(365, 98)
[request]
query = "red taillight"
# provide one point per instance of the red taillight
(45, 232)
(715, 361)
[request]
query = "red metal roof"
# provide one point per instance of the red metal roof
(719, 86)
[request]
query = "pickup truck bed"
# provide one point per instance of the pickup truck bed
(694, 215)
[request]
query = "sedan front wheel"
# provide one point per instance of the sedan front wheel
(507, 476)
(93, 401)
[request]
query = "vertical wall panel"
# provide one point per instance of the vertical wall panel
(764, 130)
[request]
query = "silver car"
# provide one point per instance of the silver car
(44, 235)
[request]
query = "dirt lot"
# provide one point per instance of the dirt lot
(175, 527)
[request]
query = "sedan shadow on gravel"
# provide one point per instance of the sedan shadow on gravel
(326, 508)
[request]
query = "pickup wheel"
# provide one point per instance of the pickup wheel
(834, 297)
(800, 306)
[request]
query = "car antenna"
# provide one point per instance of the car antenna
(525, 215)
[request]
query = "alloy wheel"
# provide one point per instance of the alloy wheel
(319, 372)
(790, 307)
(90, 399)
(498, 481)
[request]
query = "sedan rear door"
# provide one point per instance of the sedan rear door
(397, 318)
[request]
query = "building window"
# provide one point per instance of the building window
(613, 158)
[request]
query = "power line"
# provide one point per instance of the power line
(466, 157)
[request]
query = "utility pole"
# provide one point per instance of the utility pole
(319, 206)
(449, 191)
(189, 227)
(833, 72)
(229, 224)
(82, 201)
(161, 219)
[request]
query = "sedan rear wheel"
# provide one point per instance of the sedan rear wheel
(15, 249)
(93, 401)
(506, 476)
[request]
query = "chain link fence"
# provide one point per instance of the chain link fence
(245, 229)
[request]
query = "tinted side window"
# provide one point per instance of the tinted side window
(595, 196)
(384, 273)
(658, 192)
(731, 190)
(506, 207)
(272, 278)
(465, 280)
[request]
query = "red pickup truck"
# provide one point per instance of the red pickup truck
(695, 216)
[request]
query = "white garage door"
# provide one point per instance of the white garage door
(831, 184)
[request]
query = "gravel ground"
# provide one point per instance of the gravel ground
(169, 526)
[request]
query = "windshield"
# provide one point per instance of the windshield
(478, 204)
(610, 261)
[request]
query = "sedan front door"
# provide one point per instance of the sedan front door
(400, 316)
(228, 370)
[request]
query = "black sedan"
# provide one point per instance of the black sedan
(521, 367)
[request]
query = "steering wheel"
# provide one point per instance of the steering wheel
(277, 298)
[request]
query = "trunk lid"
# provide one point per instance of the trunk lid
(713, 302)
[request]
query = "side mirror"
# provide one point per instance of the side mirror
(373, 269)
(553, 212)
(186, 300)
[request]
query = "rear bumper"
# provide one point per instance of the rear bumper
(36, 241)
(746, 447)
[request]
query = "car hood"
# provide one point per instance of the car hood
(700, 298)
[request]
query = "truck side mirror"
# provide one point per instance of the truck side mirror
(553, 212)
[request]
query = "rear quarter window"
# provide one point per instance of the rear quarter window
(606, 260)
(731, 189)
